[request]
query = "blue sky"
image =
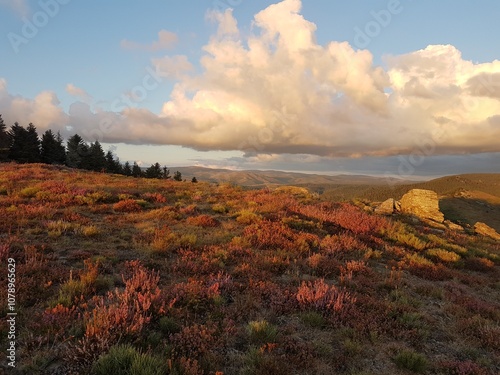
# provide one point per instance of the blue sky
(372, 105)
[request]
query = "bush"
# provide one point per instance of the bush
(261, 332)
(118, 361)
(247, 217)
(443, 255)
(412, 361)
(219, 208)
(126, 360)
(128, 205)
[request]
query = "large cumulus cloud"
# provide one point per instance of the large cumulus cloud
(275, 90)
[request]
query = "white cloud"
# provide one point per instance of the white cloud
(78, 93)
(166, 40)
(276, 91)
(43, 111)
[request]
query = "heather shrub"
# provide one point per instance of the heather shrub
(120, 313)
(205, 221)
(127, 205)
(322, 297)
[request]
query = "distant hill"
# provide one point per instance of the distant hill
(464, 199)
(259, 179)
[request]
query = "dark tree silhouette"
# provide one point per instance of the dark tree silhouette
(177, 176)
(113, 165)
(76, 150)
(194, 180)
(24, 144)
(127, 170)
(4, 141)
(136, 170)
(154, 171)
(52, 149)
(97, 159)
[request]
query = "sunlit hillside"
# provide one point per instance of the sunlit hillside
(156, 276)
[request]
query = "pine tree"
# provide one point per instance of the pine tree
(17, 139)
(32, 144)
(127, 170)
(4, 141)
(136, 170)
(177, 176)
(112, 165)
(154, 171)
(97, 158)
(166, 173)
(52, 149)
(194, 180)
(76, 150)
(24, 144)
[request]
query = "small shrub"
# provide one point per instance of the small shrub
(127, 205)
(323, 297)
(118, 360)
(412, 361)
(261, 332)
(443, 255)
(90, 230)
(220, 208)
(126, 360)
(247, 217)
(28, 192)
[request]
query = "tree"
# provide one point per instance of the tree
(166, 173)
(127, 170)
(97, 158)
(4, 141)
(76, 150)
(194, 180)
(24, 144)
(112, 165)
(136, 170)
(154, 171)
(52, 149)
(177, 176)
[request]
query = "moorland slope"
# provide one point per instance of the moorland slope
(117, 274)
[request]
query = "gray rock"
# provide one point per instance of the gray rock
(387, 207)
(422, 204)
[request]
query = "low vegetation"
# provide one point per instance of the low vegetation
(123, 275)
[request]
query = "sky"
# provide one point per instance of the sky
(402, 88)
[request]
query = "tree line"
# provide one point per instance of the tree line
(23, 145)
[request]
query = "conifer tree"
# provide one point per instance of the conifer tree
(97, 158)
(24, 144)
(136, 170)
(154, 171)
(127, 169)
(4, 141)
(76, 150)
(52, 149)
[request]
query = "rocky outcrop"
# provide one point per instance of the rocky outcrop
(451, 225)
(485, 230)
(388, 207)
(423, 204)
